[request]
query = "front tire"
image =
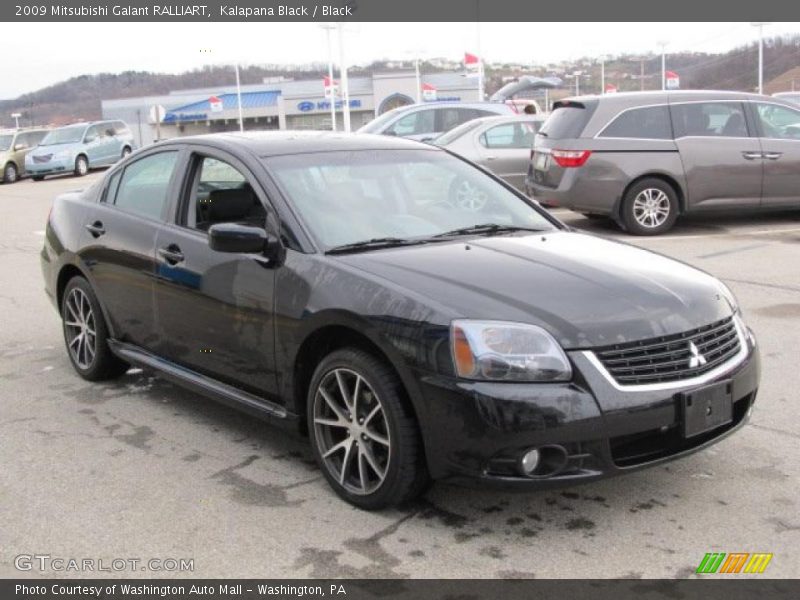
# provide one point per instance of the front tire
(86, 333)
(10, 173)
(363, 433)
(81, 166)
(650, 207)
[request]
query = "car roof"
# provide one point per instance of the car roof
(276, 143)
(666, 96)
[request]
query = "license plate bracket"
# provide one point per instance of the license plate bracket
(706, 408)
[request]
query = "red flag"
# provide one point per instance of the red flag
(470, 59)
(330, 86)
(610, 88)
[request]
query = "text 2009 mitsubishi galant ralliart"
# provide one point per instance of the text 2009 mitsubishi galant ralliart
(416, 316)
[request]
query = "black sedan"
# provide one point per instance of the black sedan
(335, 284)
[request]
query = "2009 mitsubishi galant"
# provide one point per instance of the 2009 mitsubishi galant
(334, 282)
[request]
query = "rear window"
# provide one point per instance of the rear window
(650, 122)
(567, 119)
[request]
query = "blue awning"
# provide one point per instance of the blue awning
(198, 111)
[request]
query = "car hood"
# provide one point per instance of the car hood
(53, 149)
(585, 290)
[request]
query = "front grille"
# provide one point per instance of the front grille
(42, 158)
(671, 357)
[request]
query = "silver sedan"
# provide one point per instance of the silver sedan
(501, 144)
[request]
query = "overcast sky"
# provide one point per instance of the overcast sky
(40, 54)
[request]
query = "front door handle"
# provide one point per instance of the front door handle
(491, 157)
(773, 155)
(96, 229)
(172, 254)
(752, 155)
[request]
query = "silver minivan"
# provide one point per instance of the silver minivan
(644, 158)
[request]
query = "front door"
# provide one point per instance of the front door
(215, 309)
(780, 146)
(721, 156)
(506, 149)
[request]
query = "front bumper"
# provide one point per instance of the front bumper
(490, 425)
(51, 167)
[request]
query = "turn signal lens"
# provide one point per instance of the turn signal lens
(465, 363)
(571, 158)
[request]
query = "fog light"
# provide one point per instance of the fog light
(530, 461)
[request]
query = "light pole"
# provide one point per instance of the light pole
(16, 117)
(760, 26)
(602, 74)
(663, 45)
(327, 27)
(239, 97)
(344, 83)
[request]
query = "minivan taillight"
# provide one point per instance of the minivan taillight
(571, 158)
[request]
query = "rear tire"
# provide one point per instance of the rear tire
(81, 166)
(86, 333)
(363, 433)
(10, 173)
(650, 207)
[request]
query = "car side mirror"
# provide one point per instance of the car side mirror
(232, 237)
(18, 147)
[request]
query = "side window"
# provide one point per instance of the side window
(778, 121)
(222, 194)
(36, 137)
(453, 117)
(417, 123)
(120, 128)
(145, 183)
(92, 133)
(650, 123)
(709, 119)
(509, 135)
(22, 141)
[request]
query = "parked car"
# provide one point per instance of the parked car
(80, 147)
(793, 97)
(500, 144)
(424, 122)
(312, 279)
(645, 158)
(14, 145)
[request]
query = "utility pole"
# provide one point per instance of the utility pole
(419, 82)
(602, 74)
(641, 74)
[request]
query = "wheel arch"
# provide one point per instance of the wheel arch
(666, 178)
(329, 337)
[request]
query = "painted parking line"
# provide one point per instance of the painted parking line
(728, 232)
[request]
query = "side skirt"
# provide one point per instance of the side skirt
(222, 392)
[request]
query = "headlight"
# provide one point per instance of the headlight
(504, 351)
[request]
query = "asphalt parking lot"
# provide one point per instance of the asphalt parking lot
(139, 468)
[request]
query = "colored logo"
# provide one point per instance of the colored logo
(735, 562)
(305, 106)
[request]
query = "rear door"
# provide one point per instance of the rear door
(779, 131)
(215, 309)
(417, 125)
(505, 150)
(721, 156)
(119, 243)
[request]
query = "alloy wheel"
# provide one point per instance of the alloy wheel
(351, 431)
(81, 166)
(651, 208)
(80, 329)
(470, 197)
(10, 173)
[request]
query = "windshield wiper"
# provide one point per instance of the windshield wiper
(373, 244)
(484, 228)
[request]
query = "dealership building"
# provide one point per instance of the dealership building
(280, 104)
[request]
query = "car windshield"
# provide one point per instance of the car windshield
(5, 142)
(66, 135)
(376, 125)
(454, 134)
(394, 196)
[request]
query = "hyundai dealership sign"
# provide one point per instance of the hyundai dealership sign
(308, 105)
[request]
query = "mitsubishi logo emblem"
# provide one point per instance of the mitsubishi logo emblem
(696, 359)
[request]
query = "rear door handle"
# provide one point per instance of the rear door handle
(172, 254)
(491, 157)
(773, 155)
(752, 155)
(96, 229)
